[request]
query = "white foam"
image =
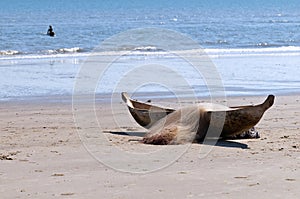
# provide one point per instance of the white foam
(153, 51)
(275, 51)
(43, 56)
(9, 52)
(64, 50)
(146, 48)
(71, 50)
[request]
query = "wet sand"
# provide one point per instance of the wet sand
(42, 156)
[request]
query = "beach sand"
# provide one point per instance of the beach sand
(42, 156)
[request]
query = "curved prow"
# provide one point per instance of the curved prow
(268, 102)
(126, 99)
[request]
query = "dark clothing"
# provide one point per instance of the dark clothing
(50, 31)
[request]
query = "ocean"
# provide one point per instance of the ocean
(254, 45)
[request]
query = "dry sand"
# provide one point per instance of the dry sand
(42, 156)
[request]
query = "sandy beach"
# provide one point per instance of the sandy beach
(42, 156)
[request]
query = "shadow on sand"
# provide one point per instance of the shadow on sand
(226, 143)
(212, 141)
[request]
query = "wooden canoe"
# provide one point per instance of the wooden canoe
(237, 119)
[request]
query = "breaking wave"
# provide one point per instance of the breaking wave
(65, 50)
(9, 52)
(154, 51)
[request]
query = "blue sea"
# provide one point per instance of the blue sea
(255, 45)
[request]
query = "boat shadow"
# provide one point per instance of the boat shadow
(209, 141)
(225, 143)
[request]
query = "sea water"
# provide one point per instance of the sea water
(255, 45)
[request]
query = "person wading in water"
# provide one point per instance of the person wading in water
(50, 31)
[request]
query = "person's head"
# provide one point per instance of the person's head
(50, 26)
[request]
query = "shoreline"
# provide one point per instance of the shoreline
(77, 52)
(106, 98)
